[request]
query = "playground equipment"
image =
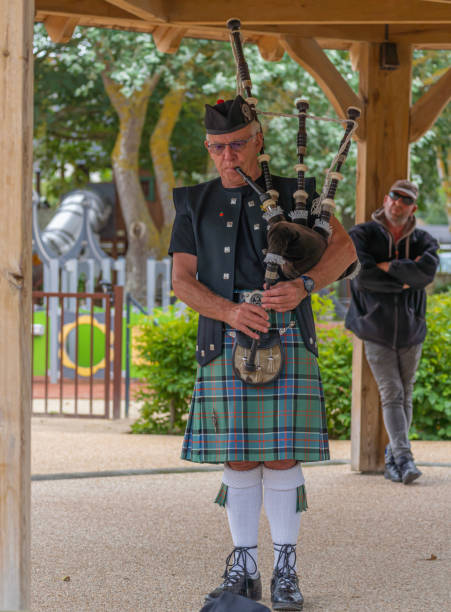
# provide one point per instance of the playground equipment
(69, 249)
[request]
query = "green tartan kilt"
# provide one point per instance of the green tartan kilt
(232, 421)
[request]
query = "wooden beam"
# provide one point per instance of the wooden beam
(310, 12)
(432, 34)
(167, 39)
(427, 109)
(98, 13)
(382, 158)
(270, 48)
(16, 119)
(307, 53)
(129, 23)
(354, 55)
(60, 29)
(144, 9)
(368, 436)
(94, 9)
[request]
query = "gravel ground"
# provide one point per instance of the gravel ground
(82, 445)
(158, 543)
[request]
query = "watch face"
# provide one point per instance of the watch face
(309, 283)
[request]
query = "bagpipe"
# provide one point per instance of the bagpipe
(293, 246)
(296, 245)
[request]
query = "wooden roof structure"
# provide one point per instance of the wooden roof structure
(300, 27)
(335, 25)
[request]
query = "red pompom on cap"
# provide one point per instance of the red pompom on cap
(220, 101)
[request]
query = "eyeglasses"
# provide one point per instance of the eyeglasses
(217, 148)
(399, 196)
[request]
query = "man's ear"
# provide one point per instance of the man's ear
(414, 208)
(259, 140)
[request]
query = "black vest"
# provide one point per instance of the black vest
(215, 214)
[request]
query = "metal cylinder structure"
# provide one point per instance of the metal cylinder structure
(62, 231)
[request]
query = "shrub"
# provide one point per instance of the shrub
(166, 347)
(335, 362)
(432, 391)
(167, 350)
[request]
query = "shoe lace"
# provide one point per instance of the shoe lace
(237, 565)
(286, 566)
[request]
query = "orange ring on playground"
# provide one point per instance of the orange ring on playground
(67, 361)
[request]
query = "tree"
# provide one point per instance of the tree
(109, 99)
(431, 155)
(75, 125)
(130, 68)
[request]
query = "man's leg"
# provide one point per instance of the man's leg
(385, 365)
(282, 481)
(242, 482)
(409, 358)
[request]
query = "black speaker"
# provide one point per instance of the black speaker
(388, 56)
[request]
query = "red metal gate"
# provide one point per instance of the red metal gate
(76, 373)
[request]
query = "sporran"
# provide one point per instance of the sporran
(268, 362)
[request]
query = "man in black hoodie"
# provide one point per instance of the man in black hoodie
(387, 311)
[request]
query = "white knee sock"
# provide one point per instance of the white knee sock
(280, 506)
(243, 505)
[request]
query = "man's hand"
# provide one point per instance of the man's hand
(384, 265)
(248, 318)
(284, 296)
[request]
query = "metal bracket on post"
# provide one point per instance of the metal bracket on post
(166, 265)
(129, 300)
(118, 297)
(119, 266)
(155, 271)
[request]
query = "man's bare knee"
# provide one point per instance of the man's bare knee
(242, 466)
(281, 464)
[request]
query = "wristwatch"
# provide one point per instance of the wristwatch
(309, 283)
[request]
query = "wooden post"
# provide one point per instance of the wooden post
(16, 116)
(383, 157)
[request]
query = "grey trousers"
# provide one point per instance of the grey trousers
(394, 372)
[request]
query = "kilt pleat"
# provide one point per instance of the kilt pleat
(232, 421)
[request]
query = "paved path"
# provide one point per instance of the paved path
(157, 542)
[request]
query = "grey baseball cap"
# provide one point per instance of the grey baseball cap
(405, 188)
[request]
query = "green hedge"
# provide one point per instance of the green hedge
(167, 345)
(432, 391)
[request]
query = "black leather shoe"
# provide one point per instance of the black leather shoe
(285, 592)
(237, 576)
(392, 471)
(408, 469)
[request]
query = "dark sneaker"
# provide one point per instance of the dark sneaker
(392, 471)
(408, 469)
(285, 592)
(240, 566)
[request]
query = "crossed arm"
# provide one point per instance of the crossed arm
(284, 296)
(398, 274)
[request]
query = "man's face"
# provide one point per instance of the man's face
(245, 158)
(396, 211)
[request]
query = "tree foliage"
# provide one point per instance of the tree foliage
(431, 155)
(76, 124)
